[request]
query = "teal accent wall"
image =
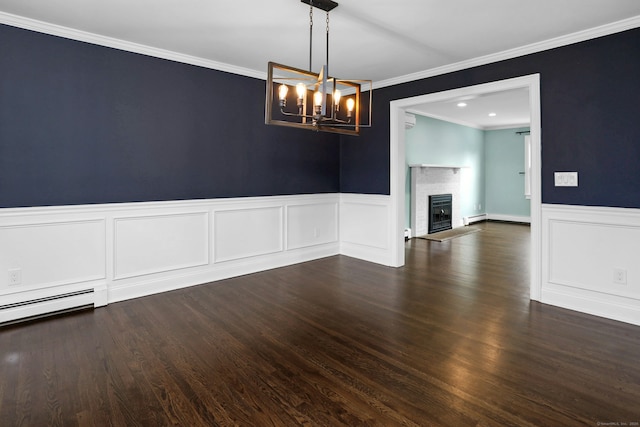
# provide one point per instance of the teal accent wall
(504, 155)
(437, 142)
(491, 183)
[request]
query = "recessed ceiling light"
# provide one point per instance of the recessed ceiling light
(462, 104)
(492, 114)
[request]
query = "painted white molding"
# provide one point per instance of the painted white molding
(311, 225)
(51, 252)
(248, 232)
(582, 249)
(509, 218)
(365, 227)
(397, 109)
(603, 30)
(99, 254)
(97, 39)
(84, 36)
(156, 243)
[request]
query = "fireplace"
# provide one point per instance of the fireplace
(427, 180)
(440, 212)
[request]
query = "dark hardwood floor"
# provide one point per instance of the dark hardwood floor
(451, 339)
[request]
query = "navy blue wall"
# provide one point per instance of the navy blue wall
(81, 123)
(590, 121)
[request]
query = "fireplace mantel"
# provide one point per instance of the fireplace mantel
(421, 165)
(427, 180)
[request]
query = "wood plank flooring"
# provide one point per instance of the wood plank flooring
(451, 339)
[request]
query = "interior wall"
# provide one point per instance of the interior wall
(588, 117)
(85, 124)
(504, 157)
(437, 142)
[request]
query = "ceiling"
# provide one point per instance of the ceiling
(370, 39)
(493, 110)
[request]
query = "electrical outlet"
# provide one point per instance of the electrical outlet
(15, 276)
(620, 276)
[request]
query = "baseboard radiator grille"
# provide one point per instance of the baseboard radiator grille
(39, 307)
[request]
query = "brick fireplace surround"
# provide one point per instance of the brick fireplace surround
(427, 180)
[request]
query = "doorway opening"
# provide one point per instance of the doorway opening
(397, 166)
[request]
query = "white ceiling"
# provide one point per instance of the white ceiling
(370, 39)
(493, 110)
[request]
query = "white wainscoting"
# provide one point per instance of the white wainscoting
(157, 243)
(365, 227)
(99, 254)
(581, 249)
(243, 233)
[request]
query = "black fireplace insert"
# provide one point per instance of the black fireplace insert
(440, 212)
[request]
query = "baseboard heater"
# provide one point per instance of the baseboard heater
(474, 218)
(46, 306)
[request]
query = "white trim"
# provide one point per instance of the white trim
(97, 39)
(592, 33)
(171, 246)
(509, 218)
(581, 248)
(364, 227)
(397, 166)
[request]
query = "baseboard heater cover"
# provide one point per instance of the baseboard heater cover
(46, 305)
(474, 218)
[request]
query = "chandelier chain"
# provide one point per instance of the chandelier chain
(310, 35)
(327, 22)
(327, 59)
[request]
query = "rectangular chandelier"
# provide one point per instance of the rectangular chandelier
(302, 99)
(317, 101)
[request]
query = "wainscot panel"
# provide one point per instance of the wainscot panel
(311, 225)
(50, 252)
(590, 260)
(153, 244)
(73, 256)
(365, 227)
(249, 232)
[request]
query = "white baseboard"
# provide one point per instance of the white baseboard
(365, 228)
(129, 250)
(594, 303)
(145, 286)
(124, 251)
(582, 247)
(509, 218)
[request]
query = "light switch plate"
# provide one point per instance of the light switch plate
(566, 179)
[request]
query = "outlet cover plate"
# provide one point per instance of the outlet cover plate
(565, 179)
(15, 276)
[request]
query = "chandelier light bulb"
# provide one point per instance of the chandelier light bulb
(336, 97)
(350, 104)
(317, 99)
(301, 89)
(282, 92)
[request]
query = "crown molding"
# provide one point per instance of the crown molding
(592, 33)
(467, 124)
(97, 39)
(445, 119)
(84, 36)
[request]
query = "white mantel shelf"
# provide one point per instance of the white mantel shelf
(437, 166)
